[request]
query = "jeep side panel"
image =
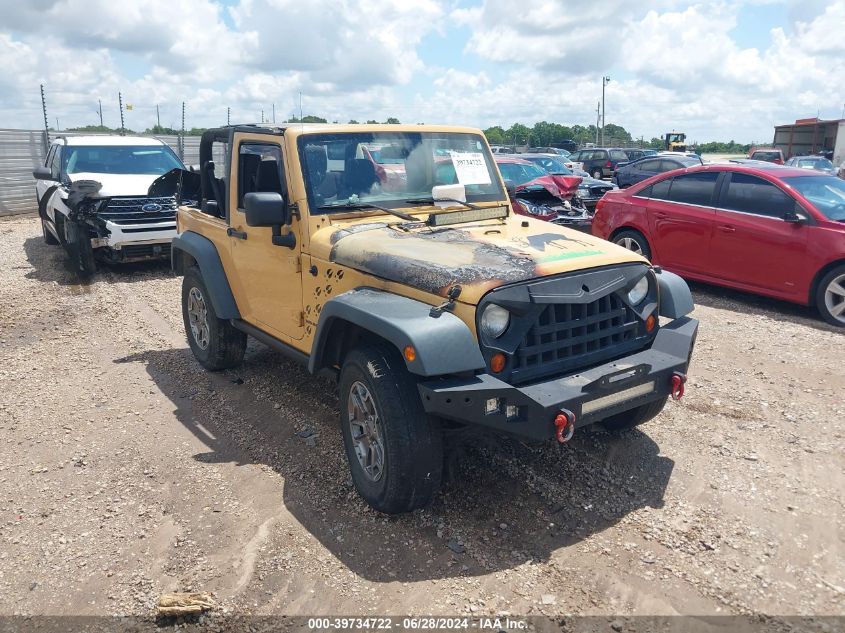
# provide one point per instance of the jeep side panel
(443, 344)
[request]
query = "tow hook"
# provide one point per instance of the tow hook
(565, 423)
(678, 381)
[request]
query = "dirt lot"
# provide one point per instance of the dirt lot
(127, 471)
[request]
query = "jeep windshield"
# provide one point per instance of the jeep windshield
(394, 169)
(119, 159)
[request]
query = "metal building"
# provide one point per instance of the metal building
(812, 136)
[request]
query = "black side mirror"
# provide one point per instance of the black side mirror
(42, 173)
(266, 209)
(796, 216)
(511, 187)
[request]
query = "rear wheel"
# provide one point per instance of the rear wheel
(395, 450)
(633, 241)
(830, 297)
(597, 174)
(634, 417)
(215, 342)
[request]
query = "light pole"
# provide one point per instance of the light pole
(604, 82)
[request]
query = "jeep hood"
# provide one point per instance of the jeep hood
(119, 184)
(477, 256)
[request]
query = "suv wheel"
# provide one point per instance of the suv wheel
(49, 238)
(830, 297)
(634, 417)
(215, 342)
(597, 174)
(78, 245)
(395, 450)
(633, 241)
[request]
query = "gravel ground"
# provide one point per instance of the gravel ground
(127, 471)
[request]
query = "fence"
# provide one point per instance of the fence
(23, 150)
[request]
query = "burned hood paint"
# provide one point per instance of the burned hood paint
(478, 257)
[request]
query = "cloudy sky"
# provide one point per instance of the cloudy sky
(718, 70)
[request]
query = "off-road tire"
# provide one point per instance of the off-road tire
(637, 237)
(821, 291)
(597, 174)
(226, 345)
(78, 246)
(634, 417)
(413, 440)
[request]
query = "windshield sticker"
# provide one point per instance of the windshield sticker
(470, 168)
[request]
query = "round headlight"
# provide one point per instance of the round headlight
(638, 292)
(494, 320)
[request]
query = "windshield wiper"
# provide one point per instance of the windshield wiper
(369, 205)
(434, 200)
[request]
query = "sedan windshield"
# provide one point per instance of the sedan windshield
(814, 163)
(520, 173)
(392, 169)
(119, 159)
(827, 193)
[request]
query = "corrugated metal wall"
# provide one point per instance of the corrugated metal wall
(23, 150)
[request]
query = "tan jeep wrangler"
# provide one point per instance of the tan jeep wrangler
(388, 256)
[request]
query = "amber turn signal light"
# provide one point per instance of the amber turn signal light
(497, 362)
(410, 353)
(650, 322)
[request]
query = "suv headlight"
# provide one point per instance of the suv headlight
(494, 320)
(639, 291)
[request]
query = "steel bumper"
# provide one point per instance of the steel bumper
(592, 395)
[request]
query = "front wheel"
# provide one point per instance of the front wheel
(394, 449)
(830, 297)
(216, 344)
(78, 245)
(634, 417)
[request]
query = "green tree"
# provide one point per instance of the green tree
(353, 121)
(495, 135)
(392, 120)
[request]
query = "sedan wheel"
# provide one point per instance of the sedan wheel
(834, 298)
(631, 244)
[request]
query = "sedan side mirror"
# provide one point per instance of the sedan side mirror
(42, 173)
(796, 216)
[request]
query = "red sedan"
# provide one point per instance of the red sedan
(772, 230)
(532, 191)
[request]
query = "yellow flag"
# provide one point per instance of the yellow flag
(129, 106)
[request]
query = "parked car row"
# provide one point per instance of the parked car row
(755, 226)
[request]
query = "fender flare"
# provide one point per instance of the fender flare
(205, 253)
(675, 296)
(42, 202)
(444, 344)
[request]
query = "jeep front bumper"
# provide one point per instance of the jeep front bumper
(592, 395)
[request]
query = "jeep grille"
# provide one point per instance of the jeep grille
(570, 335)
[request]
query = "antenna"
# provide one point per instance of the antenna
(120, 103)
(44, 109)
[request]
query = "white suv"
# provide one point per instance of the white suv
(93, 198)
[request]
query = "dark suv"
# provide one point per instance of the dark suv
(600, 162)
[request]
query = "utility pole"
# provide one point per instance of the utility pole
(228, 115)
(300, 106)
(598, 106)
(604, 82)
(57, 125)
(262, 115)
(46, 126)
(182, 135)
(274, 113)
(120, 103)
(158, 118)
(100, 104)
